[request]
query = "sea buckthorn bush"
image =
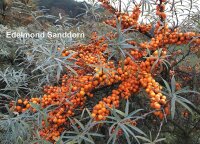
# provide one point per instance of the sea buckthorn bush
(126, 82)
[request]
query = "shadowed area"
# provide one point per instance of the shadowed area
(69, 7)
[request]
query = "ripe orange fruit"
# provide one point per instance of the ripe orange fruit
(74, 88)
(18, 108)
(157, 105)
(100, 117)
(152, 94)
(35, 102)
(95, 83)
(161, 116)
(28, 106)
(93, 115)
(82, 93)
(19, 101)
(25, 102)
(162, 101)
(55, 120)
(167, 111)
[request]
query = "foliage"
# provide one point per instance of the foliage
(115, 86)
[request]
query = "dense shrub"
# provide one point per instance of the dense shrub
(127, 82)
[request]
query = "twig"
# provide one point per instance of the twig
(159, 130)
(120, 5)
(188, 53)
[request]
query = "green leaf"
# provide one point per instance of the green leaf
(168, 87)
(185, 101)
(143, 138)
(79, 123)
(173, 84)
(120, 112)
(113, 111)
(96, 134)
(173, 101)
(134, 112)
(127, 108)
(160, 139)
(186, 91)
(35, 106)
(185, 106)
(127, 139)
(122, 126)
(111, 128)
(136, 129)
(127, 129)
(112, 136)
(87, 139)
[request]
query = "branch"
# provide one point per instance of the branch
(181, 59)
(120, 5)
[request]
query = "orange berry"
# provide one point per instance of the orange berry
(28, 106)
(25, 102)
(55, 120)
(18, 108)
(82, 93)
(152, 94)
(93, 115)
(100, 117)
(162, 101)
(74, 88)
(95, 83)
(161, 116)
(167, 111)
(35, 102)
(19, 101)
(157, 105)
(23, 110)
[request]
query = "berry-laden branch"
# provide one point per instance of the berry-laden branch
(131, 75)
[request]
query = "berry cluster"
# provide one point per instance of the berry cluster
(166, 36)
(95, 71)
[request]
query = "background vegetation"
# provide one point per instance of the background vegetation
(30, 68)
